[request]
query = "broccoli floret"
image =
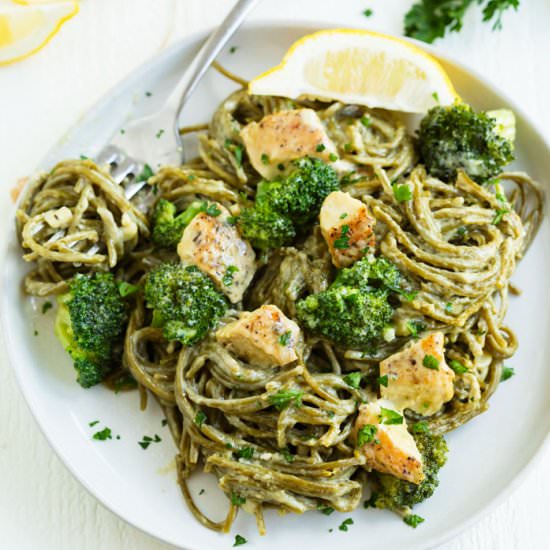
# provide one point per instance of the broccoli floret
(355, 309)
(90, 323)
(167, 227)
(399, 495)
(456, 137)
(265, 228)
(286, 206)
(185, 302)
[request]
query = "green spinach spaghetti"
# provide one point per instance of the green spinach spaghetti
(314, 301)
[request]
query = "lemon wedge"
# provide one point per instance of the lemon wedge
(26, 29)
(359, 67)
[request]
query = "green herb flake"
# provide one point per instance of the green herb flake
(36, 333)
(283, 398)
(320, 148)
(103, 435)
(383, 380)
(200, 418)
(246, 453)
(367, 434)
(281, 167)
(83, 157)
(148, 94)
(233, 49)
(265, 159)
(46, 306)
(371, 501)
(201, 492)
(227, 279)
(159, 133)
(232, 220)
(353, 379)
(413, 520)
(126, 289)
(430, 362)
(368, 12)
(93, 423)
(288, 456)
(500, 213)
(348, 147)
(284, 339)
(414, 327)
(213, 210)
(342, 242)
(324, 509)
(507, 373)
(164, 422)
(420, 428)
(343, 216)
(402, 193)
(145, 174)
(345, 524)
(239, 541)
(449, 307)
(365, 121)
(237, 500)
(458, 367)
(389, 417)
(435, 95)
(333, 157)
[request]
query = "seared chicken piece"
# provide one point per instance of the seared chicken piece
(217, 249)
(347, 227)
(264, 337)
(285, 136)
(392, 449)
(418, 376)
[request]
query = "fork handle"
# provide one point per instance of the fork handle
(206, 55)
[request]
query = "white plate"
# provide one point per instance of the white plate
(486, 456)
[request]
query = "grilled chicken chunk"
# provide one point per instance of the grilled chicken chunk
(418, 376)
(285, 136)
(264, 337)
(217, 249)
(393, 449)
(347, 226)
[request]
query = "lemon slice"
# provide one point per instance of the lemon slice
(25, 29)
(359, 67)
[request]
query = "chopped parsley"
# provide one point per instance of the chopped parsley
(289, 457)
(145, 174)
(324, 509)
(245, 452)
(239, 541)
(345, 524)
(146, 440)
(201, 492)
(435, 95)
(84, 157)
(164, 422)
(348, 147)
(284, 339)
(365, 121)
(367, 434)
(413, 520)
(233, 49)
(159, 133)
(458, 367)
(93, 423)
(213, 210)
(507, 373)
(320, 148)
(402, 193)
(103, 435)
(420, 428)
(500, 212)
(343, 216)
(280, 166)
(200, 419)
(430, 362)
(283, 398)
(333, 157)
(236, 150)
(414, 327)
(353, 379)
(342, 241)
(46, 306)
(265, 159)
(368, 12)
(126, 289)
(237, 500)
(228, 276)
(383, 380)
(449, 307)
(387, 416)
(148, 94)
(36, 333)
(232, 220)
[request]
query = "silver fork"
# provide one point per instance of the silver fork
(168, 148)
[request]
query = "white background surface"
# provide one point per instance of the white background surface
(41, 506)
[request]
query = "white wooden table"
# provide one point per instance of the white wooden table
(41, 505)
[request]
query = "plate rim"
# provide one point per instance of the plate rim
(194, 39)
